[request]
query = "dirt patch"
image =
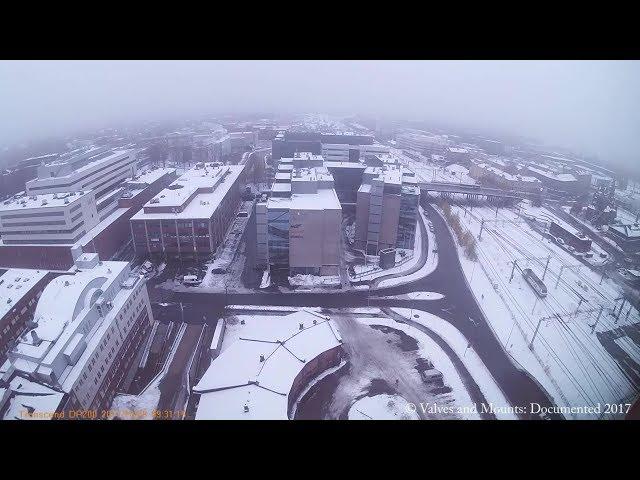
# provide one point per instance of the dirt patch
(405, 342)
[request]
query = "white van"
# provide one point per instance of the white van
(190, 280)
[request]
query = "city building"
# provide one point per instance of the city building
(287, 143)
(488, 174)
(422, 142)
(386, 209)
(191, 216)
(188, 147)
(13, 180)
(560, 182)
(82, 347)
(242, 140)
(98, 169)
(570, 236)
(261, 375)
(458, 155)
(19, 293)
(299, 226)
(626, 236)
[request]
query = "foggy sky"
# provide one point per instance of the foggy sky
(593, 106)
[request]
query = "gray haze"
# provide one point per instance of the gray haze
(592, 106)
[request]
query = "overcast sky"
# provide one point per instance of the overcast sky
(593, 106)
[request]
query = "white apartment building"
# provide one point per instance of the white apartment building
(98, 169)
(47, 219)
(87, 327)
(421, 142)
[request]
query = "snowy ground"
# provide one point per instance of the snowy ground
(381, 407)
(314, 281)
(567, 358)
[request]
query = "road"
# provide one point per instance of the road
(459, 307)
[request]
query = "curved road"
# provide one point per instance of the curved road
(459, 307)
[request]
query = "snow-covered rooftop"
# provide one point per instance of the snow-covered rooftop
(15, 283)
(258, 369)
(27, 400)
(196, 194)
(45, 200)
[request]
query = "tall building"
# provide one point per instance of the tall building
(422, 142)
(191, 216)
(299, 226)
(386, 209)
(79, 350)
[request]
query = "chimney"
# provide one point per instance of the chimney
(34, 337)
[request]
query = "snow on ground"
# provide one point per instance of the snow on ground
(428, 349)
(459, 343)
(428, 267)
(381, 407)
(136, 407)
(425, 295)
(314, 280)
(411, 259)
(567, 358)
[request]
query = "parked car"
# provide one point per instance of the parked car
(190, 280)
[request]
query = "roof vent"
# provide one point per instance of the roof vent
(261, 358)
(242, 322)
(315, 322)
(66, 283)
(246, 408)
(301, 326)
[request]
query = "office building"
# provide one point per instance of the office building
(287, 143)
(299, 226)
(626, 236)
(191, 216)
(491, 175)
(570, 236)
(386, 209)
(81, 347)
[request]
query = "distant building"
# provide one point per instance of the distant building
(13, 180)
(485, 173)
(212, 144)
(423, 142)
(190, 217)
(626, 236)
(458, 155)
(570, 236)
(77, 351)
(563, 183)
(287, 143)
(387, 209)
(299, 226)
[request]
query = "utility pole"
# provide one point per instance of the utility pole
(515, 262)
(593, 327)
(481, 227)
(546, 266)
(555, 315)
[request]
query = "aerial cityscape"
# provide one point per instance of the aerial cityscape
(289, 264)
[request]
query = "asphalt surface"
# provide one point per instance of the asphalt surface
(459, 307)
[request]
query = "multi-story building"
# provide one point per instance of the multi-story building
(570, 236)
(46, 219)
(341, 152)
(485, 173)
(98, 169)
(422, 142)
(458, 155)
(242, 140)
(626, 236)
(386, 209)
(19, 293)
(299, 226)
(191, 216)
(560, 182)
(13, 180)
(189, 147)
(82, 347)
(286, 144)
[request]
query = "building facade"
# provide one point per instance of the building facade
(191, 216)
(83, 347)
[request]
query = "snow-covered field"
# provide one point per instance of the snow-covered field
(567, 357)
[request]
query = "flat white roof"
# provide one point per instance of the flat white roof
(322, 199)
(52, 200)
(238, 377)
(198, 192)
(15, 283)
